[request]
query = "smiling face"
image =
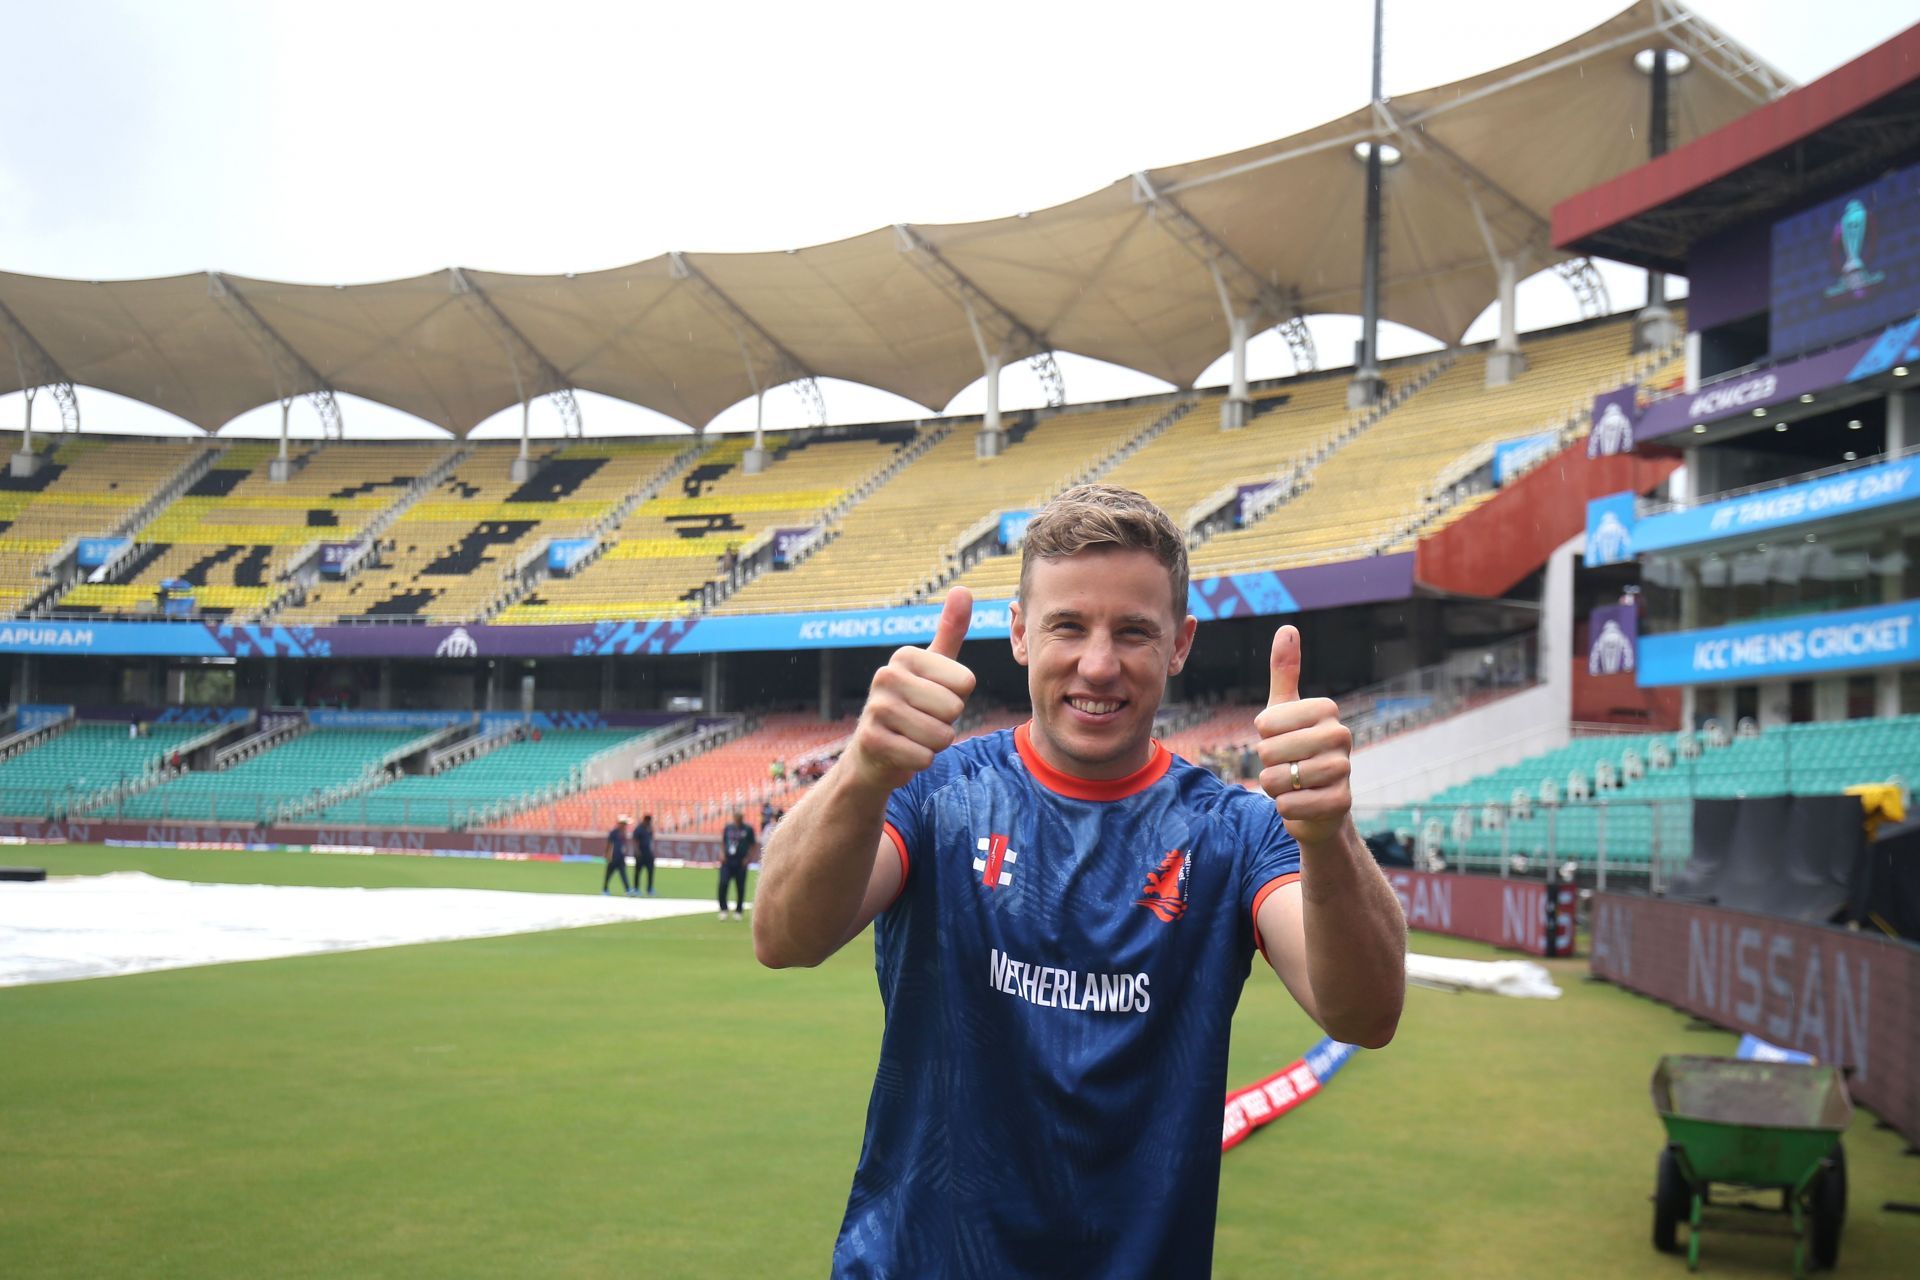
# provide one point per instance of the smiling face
(1099, 637)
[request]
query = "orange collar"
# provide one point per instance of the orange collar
(1089, 788)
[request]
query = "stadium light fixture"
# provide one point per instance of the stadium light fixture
(1389, 154)
(1899, 370)
(1779, 426)
(1807, 398)
(1699, 428)
(1678, 63)
(1850, 455)
(1855, 425)
(1760, 412)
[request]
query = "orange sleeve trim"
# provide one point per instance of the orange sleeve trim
(906, 863)
(1260, 899)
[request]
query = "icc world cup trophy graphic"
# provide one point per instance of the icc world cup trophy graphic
(1853, 242)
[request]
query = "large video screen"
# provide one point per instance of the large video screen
(1846, 266)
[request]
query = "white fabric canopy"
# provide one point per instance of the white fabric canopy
(1126, 274)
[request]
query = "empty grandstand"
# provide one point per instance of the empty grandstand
(68, 766)
(86, 487)
(516, 773)
(1627, 798)
(459, 548)
(910, 535)
(668, 557)
(1385, 486)
(701, 793)
(287, 780)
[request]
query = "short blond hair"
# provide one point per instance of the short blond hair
(1101, 517)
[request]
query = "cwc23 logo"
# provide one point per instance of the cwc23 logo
(1855, 239)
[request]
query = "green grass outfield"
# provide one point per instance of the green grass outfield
(643, 1100)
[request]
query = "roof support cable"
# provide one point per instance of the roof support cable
(1013, 338)
(760, 349)
(546, 379)
(1263, 301)
(292, 374)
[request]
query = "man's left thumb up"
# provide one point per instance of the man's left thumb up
(1284, 671)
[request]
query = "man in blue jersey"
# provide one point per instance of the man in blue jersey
(1064, 915)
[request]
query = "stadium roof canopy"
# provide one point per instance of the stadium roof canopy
(1837, 131)
(1140, 273)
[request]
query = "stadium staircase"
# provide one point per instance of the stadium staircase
(532, 569)
(508, 776)
(80, 765)
(218, 534)
(1217, 513)
(702, 790)
(302, 569)
(979, 543)
(264, 785)
(1365, 498)
(830, 526)
(758, 556)
(1630, 795)
(62, 567)
(1492, 543)
(268, 733)
(21, 740)
(379, 774)
(192, 750)
(1467, 481)
(674, 554)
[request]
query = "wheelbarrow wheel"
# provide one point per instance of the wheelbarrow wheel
(1829, 1210)
(1672, 1203)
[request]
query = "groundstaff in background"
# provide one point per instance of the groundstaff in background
(643, 854)
(1064, 915)
(736, 850)
(617, 847)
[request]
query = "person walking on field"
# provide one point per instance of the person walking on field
(617, 846)
(643, 854)
(1064, 915)
(736, 850)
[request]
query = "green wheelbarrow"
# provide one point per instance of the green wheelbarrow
(1746, 1126)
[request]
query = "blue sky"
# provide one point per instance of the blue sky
(357, 141)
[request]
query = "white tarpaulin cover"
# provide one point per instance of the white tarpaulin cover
(131, 922)
(1496, 977)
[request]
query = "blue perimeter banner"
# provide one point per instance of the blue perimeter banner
(1851, 640)
(1863, 489)
(1240, 595)
(1616, 533)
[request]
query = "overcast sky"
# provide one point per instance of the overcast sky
(352, 141)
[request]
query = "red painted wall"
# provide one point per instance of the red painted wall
(1486, 552)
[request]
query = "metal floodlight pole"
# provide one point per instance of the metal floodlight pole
(1657, 147)
(1367, 377)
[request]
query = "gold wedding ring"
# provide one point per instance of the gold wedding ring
(1294, 769)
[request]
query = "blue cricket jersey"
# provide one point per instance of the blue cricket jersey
(1059, 974)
